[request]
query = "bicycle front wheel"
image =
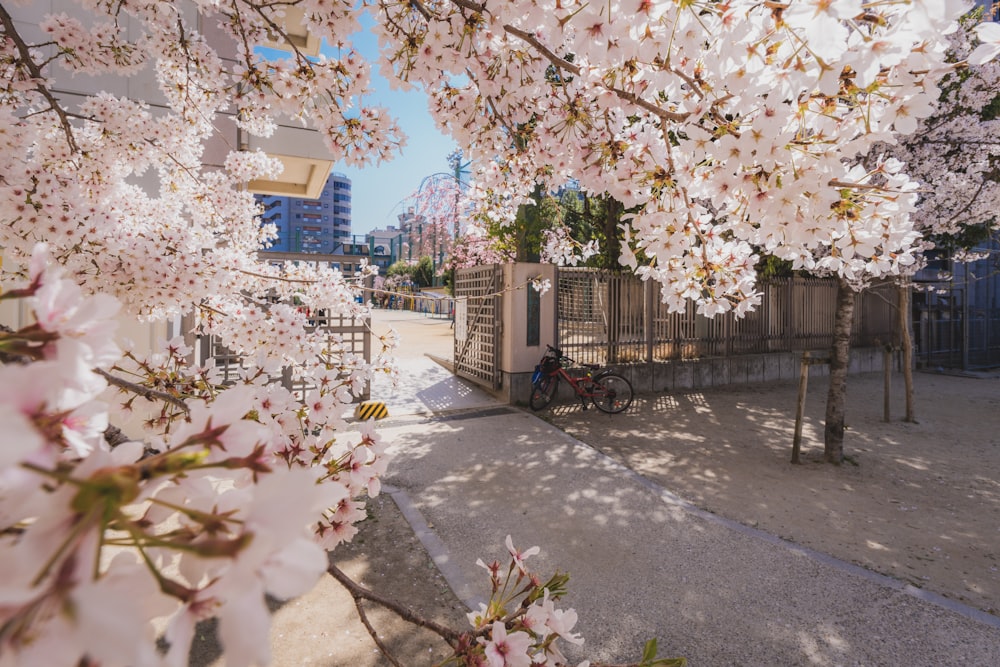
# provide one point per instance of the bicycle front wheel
(542, 392)
(612, 393)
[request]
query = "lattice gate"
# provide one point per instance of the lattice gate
(349, 335)
(477, 324)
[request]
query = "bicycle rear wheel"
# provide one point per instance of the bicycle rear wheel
(612, 393)
(543, 391)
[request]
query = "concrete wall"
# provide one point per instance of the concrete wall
(693, 374)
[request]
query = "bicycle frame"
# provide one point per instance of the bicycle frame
(577, 382)
(608, 390)
(551, 369)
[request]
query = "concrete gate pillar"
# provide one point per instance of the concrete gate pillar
(528, 323)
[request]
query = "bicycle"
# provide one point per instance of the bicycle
(607, 390)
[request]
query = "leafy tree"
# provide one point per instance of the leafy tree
(423, 272)
(420, 273)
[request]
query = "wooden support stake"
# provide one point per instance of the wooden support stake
(887, 373)
(801, 408)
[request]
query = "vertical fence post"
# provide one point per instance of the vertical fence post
(789, 310)
(727, 334)
(613, 317)
(966, 329)
(887, 382)
(649, 319)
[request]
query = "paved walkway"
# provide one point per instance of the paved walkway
(469, 471)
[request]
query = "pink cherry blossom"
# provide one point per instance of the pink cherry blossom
(507, 650)
(725, 129)
(520, 556)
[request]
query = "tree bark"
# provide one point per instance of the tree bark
(906, 343)
(840, 358)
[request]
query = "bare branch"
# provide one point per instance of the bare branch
(10, 30)
(145, 392)
(373, 634)
(360, 592)
(419, 6)
(564, 64)
(468, 4)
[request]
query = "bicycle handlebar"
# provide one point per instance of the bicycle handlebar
(558, 353)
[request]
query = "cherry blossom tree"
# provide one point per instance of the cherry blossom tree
(725, 126)
(433, 216)
(955, 154)
(477, 246)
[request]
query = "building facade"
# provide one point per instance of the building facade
(991, 9)
(956, 311)
(312, 226)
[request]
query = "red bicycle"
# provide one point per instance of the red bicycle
(606, 389)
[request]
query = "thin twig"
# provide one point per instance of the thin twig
(145, 392)
(373, 634)
(360, 592)
(564, 64)
(302, 281)
(24, 53)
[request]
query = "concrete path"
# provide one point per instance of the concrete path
(469, 471)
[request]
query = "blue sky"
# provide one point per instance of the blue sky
(377, 193)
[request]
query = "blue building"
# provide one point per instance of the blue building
(314, 226)
(991, 9)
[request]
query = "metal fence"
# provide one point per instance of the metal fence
(616, 318)
(949, 332)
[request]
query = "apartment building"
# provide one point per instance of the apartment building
(313, 226)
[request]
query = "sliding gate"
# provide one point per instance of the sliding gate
(477, 324)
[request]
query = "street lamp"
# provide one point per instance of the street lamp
(455, 162)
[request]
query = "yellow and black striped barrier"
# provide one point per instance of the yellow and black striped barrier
(371, 410)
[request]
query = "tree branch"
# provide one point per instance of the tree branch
(359, 592)
(564, 64)
(419, 6)
(968, 203)
(373, 634)
(145, 392)
(10, 30)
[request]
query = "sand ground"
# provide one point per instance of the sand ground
(916, 501)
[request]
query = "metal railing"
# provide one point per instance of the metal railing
(608, 318)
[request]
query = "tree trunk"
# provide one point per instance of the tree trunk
(906, 342)
(613, 210)
(840, 357)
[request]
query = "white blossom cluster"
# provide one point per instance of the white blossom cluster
(736, 128)
(955, 153)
